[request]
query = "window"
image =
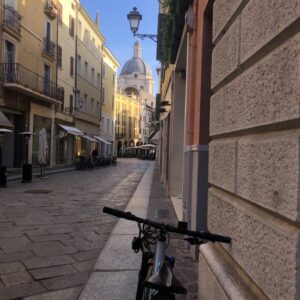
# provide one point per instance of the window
(78, 64)
(79, 34)
(112, 127)
(93, 75)
(103, 70)
(92, 106)
(86, 67)
(113, 80)
(72, 66)
(98, 80)
(59, 56)
(71, 103)
(11, 3)
(98, 108)
(60, 13)
(103, 95)
(71, 26)
(86, 37)
(48, 31)
(93, 45)
(107, 125)
(113, 102)
(85, 102)
(47, 76)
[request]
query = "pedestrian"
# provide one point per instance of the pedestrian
(95, 153)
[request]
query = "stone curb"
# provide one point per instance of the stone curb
(115, 274)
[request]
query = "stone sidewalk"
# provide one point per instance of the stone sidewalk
(52, 230)
(116, 271)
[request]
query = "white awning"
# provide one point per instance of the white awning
(148, 146)
(71, 130)
(100, 139)
(2, 130)
(89, 138)
(4, 122)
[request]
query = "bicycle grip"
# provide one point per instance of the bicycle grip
(118, 213)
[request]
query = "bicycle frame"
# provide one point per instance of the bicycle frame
(161, 279)
(159, 256)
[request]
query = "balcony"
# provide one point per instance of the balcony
(18, 78)
(49, 49)
(51, 10)
(11, 21)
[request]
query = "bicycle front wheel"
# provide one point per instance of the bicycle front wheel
(150, 294)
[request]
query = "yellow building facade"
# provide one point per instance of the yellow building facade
(51, 77)
(127, 111)
(29, 91)
(66, 54)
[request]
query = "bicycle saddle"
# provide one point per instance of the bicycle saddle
(164, 280)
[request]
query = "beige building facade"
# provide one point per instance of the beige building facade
(109, 90)
(253, 155)
(234, 129)
(88, 87)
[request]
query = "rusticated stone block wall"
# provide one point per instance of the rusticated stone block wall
(254, 161)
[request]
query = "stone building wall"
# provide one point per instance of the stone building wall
(254, 152)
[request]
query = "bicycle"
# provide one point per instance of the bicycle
(156, 280)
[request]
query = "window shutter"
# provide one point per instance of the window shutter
(59, 56)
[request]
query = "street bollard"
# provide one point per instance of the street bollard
(3, 177)
(27, 173)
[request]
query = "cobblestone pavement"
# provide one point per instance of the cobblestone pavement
(52, 230)
(161, 210)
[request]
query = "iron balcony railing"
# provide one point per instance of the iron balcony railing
(49, 47)
(13, 73)
(11, 18)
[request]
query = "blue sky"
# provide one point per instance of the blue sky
(115, 27)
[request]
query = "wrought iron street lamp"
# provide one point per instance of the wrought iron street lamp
(134, 18)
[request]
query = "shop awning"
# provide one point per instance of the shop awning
(154, 138)
(100, 139)
(4, 122)
(147, 146)
(89, 138)
(71, 130)
(4, 130)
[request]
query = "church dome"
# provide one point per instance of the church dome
(136, 65)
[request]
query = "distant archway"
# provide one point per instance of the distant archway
(131, 90)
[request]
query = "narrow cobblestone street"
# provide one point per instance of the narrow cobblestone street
(53, 230)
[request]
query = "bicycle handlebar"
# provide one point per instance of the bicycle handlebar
(200, 234)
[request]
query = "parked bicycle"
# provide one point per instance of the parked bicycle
(156, 280)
